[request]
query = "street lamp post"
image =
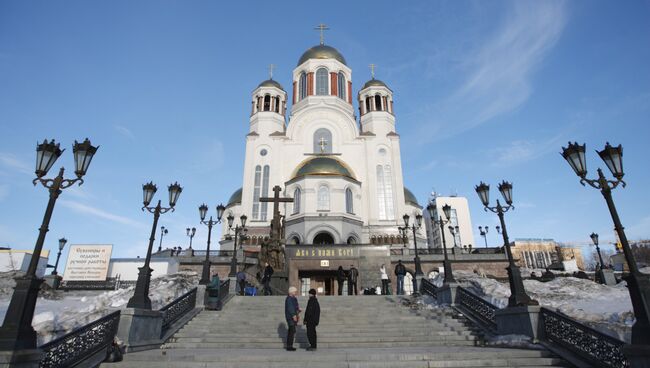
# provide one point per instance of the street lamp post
(140, 298)
(190, 233)
(17, 332)
(518, 294)
(163, 232)
(483, 234)
(416, 225)
(240, 231)
(594, 239)
(433, 214)
(203, 211)
(62, 242)
(638, 284)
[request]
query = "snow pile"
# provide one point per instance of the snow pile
(54, 318)
(420, 302)
(605, 308)
(512, 341)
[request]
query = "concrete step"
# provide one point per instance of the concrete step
(325, 345)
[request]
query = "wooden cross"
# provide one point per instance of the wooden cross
(271, 67)
(372, 70)
(322, 143)
(322, 27)
(275, 222)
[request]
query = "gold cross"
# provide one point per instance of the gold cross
(322, 143)
(271, 67)
(372, 70)
(322, 27)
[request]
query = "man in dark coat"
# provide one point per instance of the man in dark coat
(353, 276)
(400, 272)
(312, 317)
(241, 280)
(340, 277)
(266, 279)
(291, 314)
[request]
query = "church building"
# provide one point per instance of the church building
(341, 166)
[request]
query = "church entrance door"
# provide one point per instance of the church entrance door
(323, 281)
(323, 238)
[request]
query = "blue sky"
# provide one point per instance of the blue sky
(483, 91)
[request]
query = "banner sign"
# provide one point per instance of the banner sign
(88, 262)
(322, 252)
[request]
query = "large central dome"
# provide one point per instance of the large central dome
(322, 52)
(323, 166)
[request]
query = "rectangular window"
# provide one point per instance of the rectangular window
(381, 201)
(388, 184)
(265, 192)
(256, 192)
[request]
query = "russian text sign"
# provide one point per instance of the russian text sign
(88, 262)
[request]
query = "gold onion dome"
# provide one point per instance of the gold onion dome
(322, 52)
(374, 82)
(323, 166)
(271, 83)
(409, 197)
(235, 198)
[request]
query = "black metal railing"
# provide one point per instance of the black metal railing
(80, 344)
(427, 287)
(477, 307)
(173, 311)
(599, 349)
(224, 290)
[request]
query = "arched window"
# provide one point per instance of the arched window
(378, 102)
(296, 201)
(267, 103)
(321, 82)
(349, 208)
(303, 86)
(265, 191)
(257, 187)
(277, 104)
(368, 104)
(352, 240)
(341, 85)
(323, 198)
(322, 141)
(385, 192)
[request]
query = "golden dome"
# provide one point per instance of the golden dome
(235, 198)
(321, 52)
(409, 198)
(271, 83)
(374, 82)
(323, 166)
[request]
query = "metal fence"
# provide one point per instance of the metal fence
(80, 344)
(173, 311)
(597, 348)
(477, 307)
(427, 287)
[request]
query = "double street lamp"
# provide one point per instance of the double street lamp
(163, 232)
(638, 284)
(414, 227)
(518, 294)
(483, 233)
(203, 211)
(140, 298)
(594, 239)
(62, 242)
(454, 230)
(190, 234)
(240, 234)
(17, 332)
(433, 214)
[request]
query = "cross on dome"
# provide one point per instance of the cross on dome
(372, 70)
(271, 67)
(322, 28)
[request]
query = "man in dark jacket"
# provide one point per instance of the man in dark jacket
(241, 280)
(340, 277)
(312, 317)
(266, 279)
(400, 272)
(353, 276)
(291, 314)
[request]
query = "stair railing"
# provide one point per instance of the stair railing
(477, 307)
(428, 288)
(173, 311)
(93, 339)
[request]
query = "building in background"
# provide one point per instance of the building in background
(15, 260)
(543, 253)
(460, 217)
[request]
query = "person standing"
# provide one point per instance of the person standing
(384, 280)
(400, 272)
(312, 317)
(340, 277)
(241, 280)
(353, 276)
(292, 315)
(266, 279)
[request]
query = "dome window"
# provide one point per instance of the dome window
(267, 103)
(303, 86)
(341, 86)
(321, 82)
(378, 102)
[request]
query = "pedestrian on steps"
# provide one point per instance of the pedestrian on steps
(353, 277)
(241, 280)
(384, 280)
(292, 315)
(312, 317)
(400, 272)
(340, 277)
(266, 279)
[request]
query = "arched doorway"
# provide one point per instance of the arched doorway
(323, 238)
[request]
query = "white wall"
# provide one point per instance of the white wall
(18, 260)
(464, 223)
(127, 268)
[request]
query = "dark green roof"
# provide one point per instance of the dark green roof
(409, 197)
(322, 52)
(271, 83)
(374, 82)
(235, 198)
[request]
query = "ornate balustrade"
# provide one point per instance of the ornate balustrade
(597, 348)
(427, 287)
(93, 339)
(477, 307)
(173, 311)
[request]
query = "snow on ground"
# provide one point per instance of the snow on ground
(605, 308)
(60, 312)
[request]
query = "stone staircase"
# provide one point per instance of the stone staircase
(361, 331)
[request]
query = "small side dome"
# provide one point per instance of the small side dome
(323, 166)
(374, 82)
(271, 83)
(409, 198)
(235, 198)
(321, 52)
